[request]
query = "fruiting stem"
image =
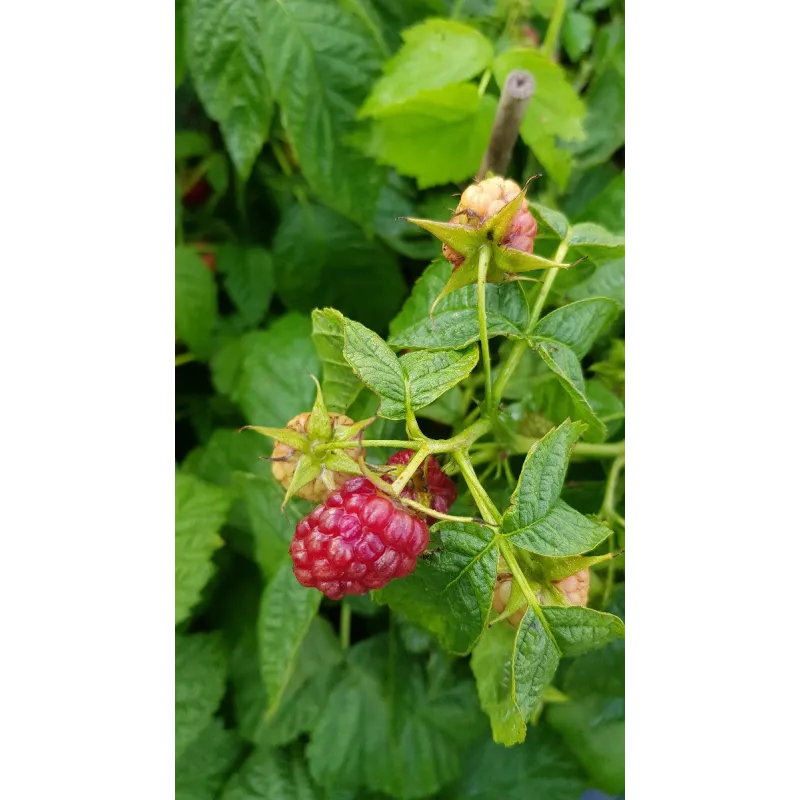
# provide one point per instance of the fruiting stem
(554, 29)
(485, 505)
(344, 625)
(507, 551)
(521, 345)
(350, 443)
(483, 269)
(408, 473)
(437, 514)
(514, 99)
(612, 450)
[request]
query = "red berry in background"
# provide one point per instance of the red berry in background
(197, 193)
(357, 540)
(429, 486)
(208, 257)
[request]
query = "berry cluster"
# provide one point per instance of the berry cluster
(360, 538)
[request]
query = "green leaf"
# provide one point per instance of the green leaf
(270, 774)
(180, 49)
(272, 528)
(430, 374)
(577, 34)
(605, 119)
(373, 361)
(597, 741)
(200, 669)
(567, 369)
(578, 324)
(589, 236)
(607, 207)
(512, 669)
(537, 520)
(312, 48)
(314, 675)
(273, 384)
(540, 769)
(438, 137)
(608, 280)
(577, 629)
(555, 110)
(550, 222)
(195, 302)
(434, 54)
(542, 476)
(206, 762)
(340, 384)
(455, 321)
(326, 260)
(286, 612)
(226, 60)
(249, 280)
(450, 593)
(200, 511)
(384, 709)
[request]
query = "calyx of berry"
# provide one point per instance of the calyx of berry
(491, 214)
(300, 465)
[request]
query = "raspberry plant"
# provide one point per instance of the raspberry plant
(399, 525)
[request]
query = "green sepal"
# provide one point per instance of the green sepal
(467, 274)
(557, 569)
(338, 461)
(319, 425)
(501, 221)
(352, 431)
(516, 601)
(307, 470)
(462, 238)
(506, 259)
(295, 440)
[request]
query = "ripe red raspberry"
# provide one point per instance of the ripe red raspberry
(483, 200)
(358, 539)
(429, 486)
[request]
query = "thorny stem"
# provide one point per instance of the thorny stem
(507, 552)
(402, 443)
(521, 345)
(344, 625)
(554, 29)
(611, 450)
(483, 269)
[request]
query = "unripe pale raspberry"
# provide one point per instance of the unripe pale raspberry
(483, 200)
(429, 486)
(328, 480)
(357, 540)
(575, 589)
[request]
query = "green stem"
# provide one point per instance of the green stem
(344, 625)
(612, 450)
(554, 29)
(401, 443)
(485, 505)
(521, 345)
(435, 514)
(607, 511)
(408, 473)
(506, 550)
(483, 269)
(185, 358)
(609, 585)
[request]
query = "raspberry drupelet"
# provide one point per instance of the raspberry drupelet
(357, 540)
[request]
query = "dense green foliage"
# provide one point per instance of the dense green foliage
(304, 129)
